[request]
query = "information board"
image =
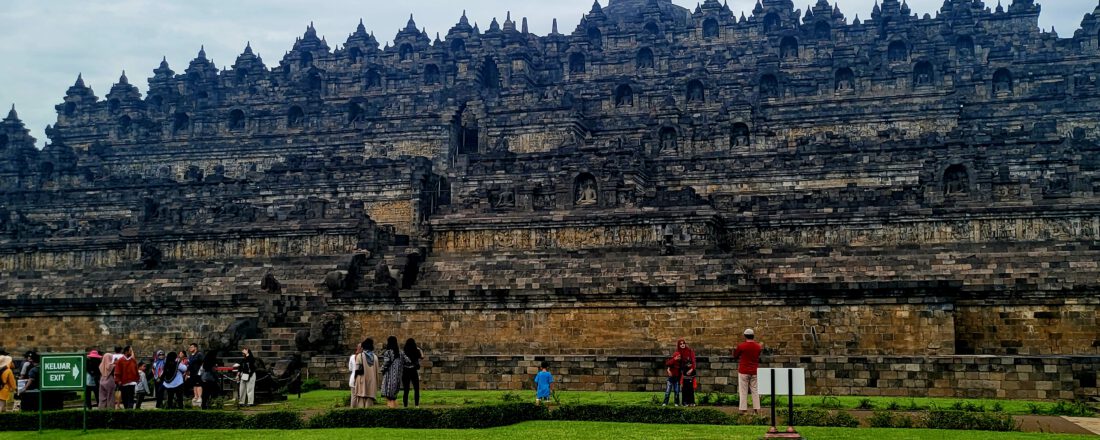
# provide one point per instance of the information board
(61, 372)
(764, 381)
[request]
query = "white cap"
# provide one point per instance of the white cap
(749, 332)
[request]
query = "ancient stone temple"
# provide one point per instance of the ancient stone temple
(907, 204)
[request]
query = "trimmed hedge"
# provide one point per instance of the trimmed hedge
(482, 417)
(642, 414)
(942, 419)
(73, 419)
(453, 418)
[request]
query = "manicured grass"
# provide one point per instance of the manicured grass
(327, 399)
(556, 430)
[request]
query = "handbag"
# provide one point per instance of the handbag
(359, 365)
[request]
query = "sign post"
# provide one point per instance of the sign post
(60, 372)
(791, 381)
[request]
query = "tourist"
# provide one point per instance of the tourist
(246, 375)
(209, 379)
(142, 388)
(672, 370)
(687, 373)
(126, 376)
(194, 372)
(28, 396)
(25, 369)
(158, 378)
(7, 384)
(411, 375)
(364, 389)
(173, 381)
(393, 364)
(747, 356)
(107, 383)
(91, 379)
(352, 366)
(543, 383)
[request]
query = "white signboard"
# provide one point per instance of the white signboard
(782, 385)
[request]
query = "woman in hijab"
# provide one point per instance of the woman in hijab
(173, 382)
(107, 380)
(687, 371)
(364, 390)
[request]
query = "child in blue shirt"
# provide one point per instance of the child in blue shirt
(543, 380)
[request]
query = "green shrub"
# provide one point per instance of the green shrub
(893, 406)
(819, 417)
(830, 402)
(998, 407)
(511, 397)
(881, 419)
(887, 419)
(1072, 409)
(311, 384)
(973, 421)
(275, 420)
(451, 418)
(865, 404)
(642, 414)
(843, 419)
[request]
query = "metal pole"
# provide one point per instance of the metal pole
(773, 398)
(790, 397)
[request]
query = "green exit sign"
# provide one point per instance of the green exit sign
(62, 371)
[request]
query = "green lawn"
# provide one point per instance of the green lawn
(327, 399)
(556, 430)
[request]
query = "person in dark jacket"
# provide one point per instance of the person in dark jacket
(194, 375)
(411, 375)
(91, 379)
(209, 379)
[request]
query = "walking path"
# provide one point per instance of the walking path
(1091, 424)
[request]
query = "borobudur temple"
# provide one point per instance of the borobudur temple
(906, 205)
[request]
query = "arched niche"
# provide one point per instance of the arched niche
(586, 190)
(624, 96)
(356, 112)
(431, 74)
(769, 86)
(696, 92)
(788, 48)
(644, 59)
(923, 74)
(844, 80)
(897, 52)
(490, 75)
(668, 140)
(236, 120)
(576, 63)
(1002, 82)
(181, 122)
(405, 53)
(739, 135)
(956, 181)
(295, 117)
(823, 31)
(964, 47)
(771, 22)
(125, 125)
(710, 28)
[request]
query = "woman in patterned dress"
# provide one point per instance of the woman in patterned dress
(393, 363)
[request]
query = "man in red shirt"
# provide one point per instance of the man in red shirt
(747, 356)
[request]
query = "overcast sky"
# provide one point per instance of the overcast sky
(47, 42)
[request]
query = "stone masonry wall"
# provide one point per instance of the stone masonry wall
(886, 329)
(1043, 378)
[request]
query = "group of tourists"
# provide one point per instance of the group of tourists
(680, 368)
(399, 369)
